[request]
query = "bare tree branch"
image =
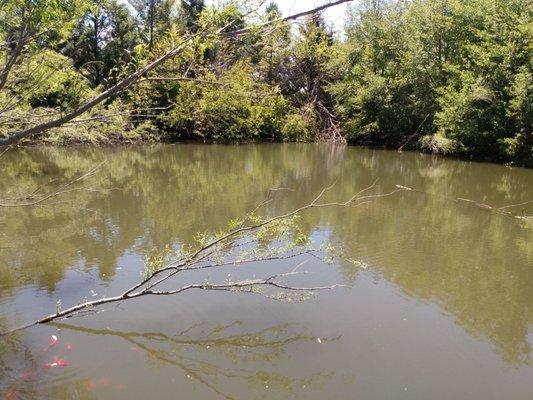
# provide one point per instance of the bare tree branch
(290, 17)
(503, 210)
(149, 285)
(13, 56)
(179, 79)
(66, 188)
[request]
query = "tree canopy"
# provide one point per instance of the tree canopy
(445, 76)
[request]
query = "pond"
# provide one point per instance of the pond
(437, 301)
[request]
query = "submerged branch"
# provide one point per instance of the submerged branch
(495, 209)
(66, 188)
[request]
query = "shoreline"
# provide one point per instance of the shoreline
(122, 142)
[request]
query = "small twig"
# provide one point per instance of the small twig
(5, 150)
(414, 134)
(62, 190)
(488, 207)
(515, 205)
(162, 78)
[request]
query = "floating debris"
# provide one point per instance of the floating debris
(57, 363)
(136, 349)
(53, 341)
(11, 394)
(403, 187)
(102, 383)
(27, 375)
(358, 263)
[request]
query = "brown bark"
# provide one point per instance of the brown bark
(12, 59)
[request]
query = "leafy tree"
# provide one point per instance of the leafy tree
(481, 100)
(447, 72)
(232, 108)
(189, 12)
(273, 55)
(448, 76)
(373, 98)
(24, 23)
(103, 42)
(54, 84)
(311, 72)
(155, 17)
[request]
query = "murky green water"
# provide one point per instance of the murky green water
(438, 305)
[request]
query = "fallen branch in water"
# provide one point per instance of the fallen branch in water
(498, 210)
(66, 188)
(242, 245)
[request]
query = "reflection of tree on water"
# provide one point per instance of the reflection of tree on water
(9, 346)
(475, 265)
(15, 356)
(469, 261)
(164, 198)
(217, 355)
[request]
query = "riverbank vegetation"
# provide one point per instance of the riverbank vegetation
(444, 76)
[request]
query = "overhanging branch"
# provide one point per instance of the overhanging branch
(200, 260)
(128, 81)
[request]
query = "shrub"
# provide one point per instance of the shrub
(295, 128)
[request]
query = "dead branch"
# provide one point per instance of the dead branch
(136, 113)
(292, 17)
(331, 131)
(400, 149)
(495, 209)
(66, 188)
(181, 79)
(206, 257)
(13, 56)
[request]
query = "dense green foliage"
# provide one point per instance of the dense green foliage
(446, 76)
(457, 73)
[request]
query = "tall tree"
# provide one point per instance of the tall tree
(274, 49)
(189, 12)
(103, 42)
(311, 74)
(155, 17)
(373, 98)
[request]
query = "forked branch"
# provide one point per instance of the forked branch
(30, 199)
(221, 251)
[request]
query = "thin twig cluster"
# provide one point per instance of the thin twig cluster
(225, 249)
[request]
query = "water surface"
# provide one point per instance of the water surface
(438, 302)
